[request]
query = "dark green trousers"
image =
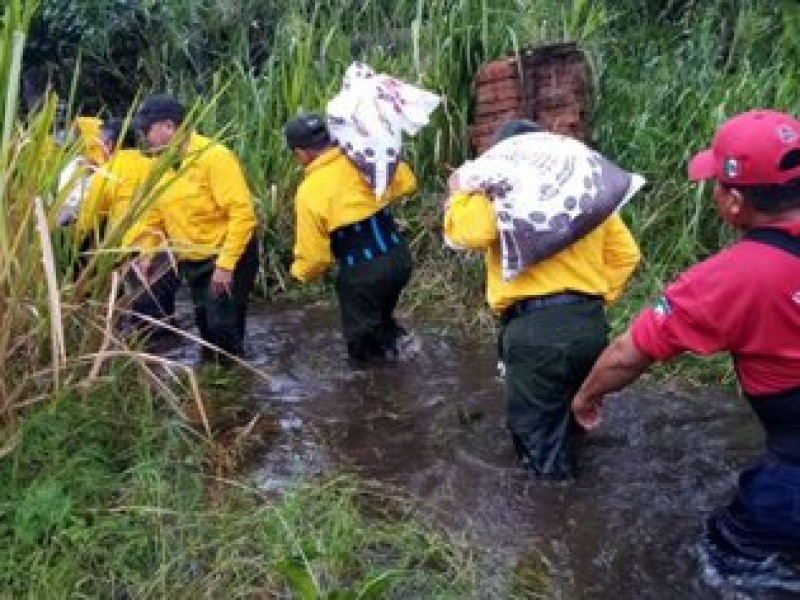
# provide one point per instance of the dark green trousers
(221, 318)
(368, 293)
(548, 352)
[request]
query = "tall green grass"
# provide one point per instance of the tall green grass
(32, 338)
(667, 74)
(661, 98)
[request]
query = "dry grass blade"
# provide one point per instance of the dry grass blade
(108, 331)
(198, 400)
(246, 430)
(198, 340)
(59, 357)
(9, 444)
(144, 361)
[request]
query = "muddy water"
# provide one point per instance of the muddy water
(434, 427)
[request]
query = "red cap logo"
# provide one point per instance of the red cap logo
(787, 135)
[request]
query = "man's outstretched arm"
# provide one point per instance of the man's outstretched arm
(618, 366)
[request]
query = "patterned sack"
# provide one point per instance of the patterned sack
(549, 191)
(368, 117)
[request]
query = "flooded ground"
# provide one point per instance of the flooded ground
(434, 427)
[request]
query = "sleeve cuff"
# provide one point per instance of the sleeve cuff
(641, 334)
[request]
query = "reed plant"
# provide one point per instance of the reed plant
(32, 338)
(58, 306)
(666, 74)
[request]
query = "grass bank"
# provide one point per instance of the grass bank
(107, 496)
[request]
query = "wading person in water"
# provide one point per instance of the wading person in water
(745, 300)
(111, 203)
(553, 319)
(338, 218)
(206, 215)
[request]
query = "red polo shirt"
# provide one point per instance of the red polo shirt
(744, 300)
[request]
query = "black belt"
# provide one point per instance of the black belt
(528, 305)
(365, 240)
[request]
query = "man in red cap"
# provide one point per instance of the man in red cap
(745, 300)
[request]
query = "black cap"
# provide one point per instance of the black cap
(515, 127)
(308, 130)
(160, 107)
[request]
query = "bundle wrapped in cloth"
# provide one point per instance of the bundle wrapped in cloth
(548, 190)
(368, 117)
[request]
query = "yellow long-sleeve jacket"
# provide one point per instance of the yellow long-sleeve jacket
(332, 194)
(111, 195)
(205, 208)
(600, 263)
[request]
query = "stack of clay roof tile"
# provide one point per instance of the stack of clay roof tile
(548, 84)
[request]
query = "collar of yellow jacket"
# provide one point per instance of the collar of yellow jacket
(323, 159)
(197, 142)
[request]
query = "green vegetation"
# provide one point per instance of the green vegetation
(116, 480)
(668, 71)
(105, 497)
(102, 485)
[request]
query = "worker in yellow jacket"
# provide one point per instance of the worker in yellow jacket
(112, 193)
(553, 322)
(339, 219)
(75, 177)
(206, 216)
(114, 205)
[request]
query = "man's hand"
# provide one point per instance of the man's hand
(587, 410)
(221, 281)
(619, 365)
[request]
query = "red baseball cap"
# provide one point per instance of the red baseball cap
(748, 150)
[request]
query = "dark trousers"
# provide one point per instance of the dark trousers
(764, 518)
(368, 293)
(156, 298)
(220, 318)
(547, 353)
